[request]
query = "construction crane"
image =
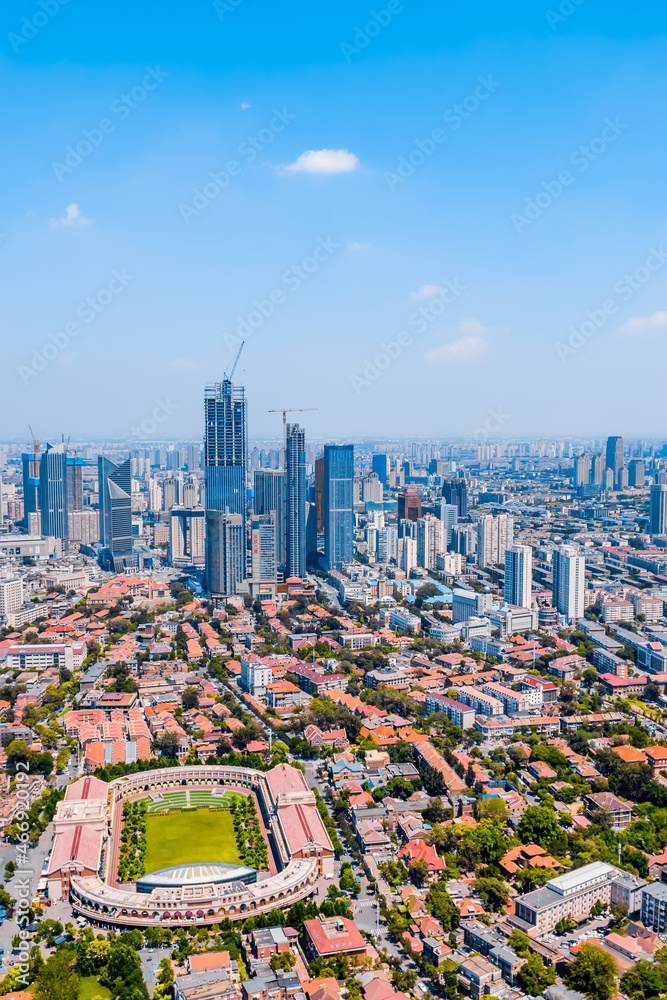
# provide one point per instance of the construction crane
(35, 444)
(290, 409)
(229, 377)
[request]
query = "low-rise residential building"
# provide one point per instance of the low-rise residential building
(457, 712)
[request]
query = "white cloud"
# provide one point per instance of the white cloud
(72, 217)
(358, 246)
(468, 348)
(427, 292)
(324, 161)
(181, 363)
(244, 107)
(645, 324)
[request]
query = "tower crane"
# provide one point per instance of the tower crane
(290, 409)
(236, 361)
(35, 444)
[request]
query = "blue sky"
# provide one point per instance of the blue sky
(526, 225)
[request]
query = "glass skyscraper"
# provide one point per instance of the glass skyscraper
(295, 500)
(115, 493)
(53, 491)
(225, 463)
(338, 505)
(269, 487)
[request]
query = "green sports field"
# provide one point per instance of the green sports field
(181, 838)
(200, 797)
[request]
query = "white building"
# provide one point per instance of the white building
(430, 541)
(494, 536)
(569, 571)
(11, 595)
(255, 675)
(519, 576)
(407, 554)
(449, 515)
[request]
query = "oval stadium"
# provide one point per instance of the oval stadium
(94, 834)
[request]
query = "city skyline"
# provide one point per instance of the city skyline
(373, 242)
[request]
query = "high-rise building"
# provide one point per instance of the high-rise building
(569, 581)
(338, 505)
(11, 595)
(608, 479)
(494, 536)
(225, 465)
(312, 551)
(74, 482)
(53, 491)
(371, 487)
(187, 536)
(430, 541)
(381, 466)
(455, 491)
(519, 576)
(615, 456)
(658, 509)
(636, 472)
(449, 515)
(269, 498)
(597, 465)
(387, 544)
(295, 500)
(319, 493)
(407, 554)
(30, 464)
(409, 505)
(84, 526)
(115, 505)
(582, 470)
(225, 553)
(622, 480)
(263, 554)
(225, 447)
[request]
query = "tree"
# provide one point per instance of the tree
(532, 878)
(493, 891)
(18, 752)
(190, 697)
(433, 781)
(286, 960)
(492, 808)
(537, 826)
(644, 979)
(168, 745)
(57, 980)
(593, 973)
(164, 989)
(534, 976)
(519, 942)
(619, 912)
(419, 870)
(441, 905)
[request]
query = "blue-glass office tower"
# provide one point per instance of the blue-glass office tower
(295, 500)
(381, 467)
(30, 485)
(338, 505)
(455, 491)
(225, 463)
(114, 484)
(269, 498)
(53, 491)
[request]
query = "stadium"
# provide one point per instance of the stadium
(87, 852)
